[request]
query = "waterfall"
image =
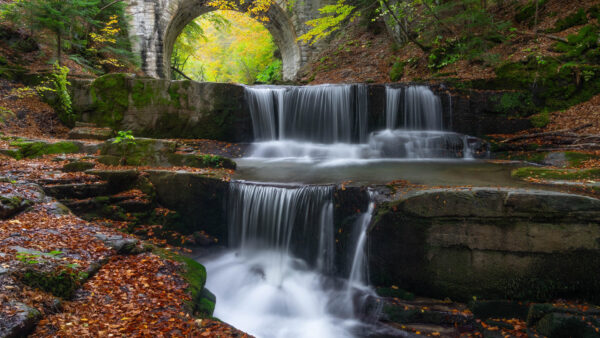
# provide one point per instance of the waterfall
(392, 104)
(422, 109)
(263, 217)
(279, 279)
(321, 114)
(359, 272)
(331, 123)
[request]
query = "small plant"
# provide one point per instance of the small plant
(123, 136)
(57, 86)
(5, 113)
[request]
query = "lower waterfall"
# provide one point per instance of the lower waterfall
(278, 279)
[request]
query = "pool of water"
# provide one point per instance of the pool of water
(362, 172)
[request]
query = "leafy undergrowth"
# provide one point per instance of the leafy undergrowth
(134, 296)
(22, 112)
(557, 174)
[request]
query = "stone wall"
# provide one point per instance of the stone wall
(488, 243)
(164, 109)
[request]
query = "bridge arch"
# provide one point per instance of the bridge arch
(157, 24)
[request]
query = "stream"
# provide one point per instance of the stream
(278, 277)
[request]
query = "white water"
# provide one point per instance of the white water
(330, 122)
(278, 281)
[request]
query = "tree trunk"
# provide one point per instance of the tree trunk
(59, 48)
(535, 20)
(404, 30)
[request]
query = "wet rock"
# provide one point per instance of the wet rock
(489, 243)
(498, 309)
(122, 245)
(196, 197)
(11, 205)
(116, 180)
(560, 325)
(76, 190)
(556, 159)
(19, 324)
(138, 152)
(77, 166)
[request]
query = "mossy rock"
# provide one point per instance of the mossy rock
(36, 149)
(561, 325)
(395, 292)
(110, 99)
(498, 309)
(576, 159)
(61, 282)
(78, 166)
(202, 161)
(556, 174)
(138, 152)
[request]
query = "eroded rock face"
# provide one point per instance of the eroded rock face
(164, 109)
(489, 243)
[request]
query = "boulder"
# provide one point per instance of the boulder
(488, 243)
(22, 321)
(196, 197)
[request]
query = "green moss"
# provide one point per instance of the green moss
(576, 19)
(202, 161)
(577, 159)
(397, 71)
(527, 13)
(61, 283)
(38, 149)
(142, 94)
(556, 174)
(78, 166)
(540, 120)
(194, 273)
(520, 102)
(110, 98)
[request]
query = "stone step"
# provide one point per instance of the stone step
(76, 191)
(90, 133)
(85, 124)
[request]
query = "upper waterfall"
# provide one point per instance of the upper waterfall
(320, 114)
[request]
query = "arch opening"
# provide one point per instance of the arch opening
(226, 46)
(278, 25)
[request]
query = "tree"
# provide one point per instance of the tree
(60, 17)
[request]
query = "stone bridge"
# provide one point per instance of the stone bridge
(156, 25)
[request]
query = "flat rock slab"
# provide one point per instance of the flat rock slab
(90, 133)
(17, 319)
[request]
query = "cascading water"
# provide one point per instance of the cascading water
(279, 280)
(330, 122)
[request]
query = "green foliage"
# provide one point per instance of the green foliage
(334, 16)
(124, 136)
(272, 73)
(94, 30)
(5, 113)
(526, 14)
(556, 174)
(62, 99)
(187, 42)
(583, 46)
(225, 46)
(575, 19)
(397, 71)
(540, 120)
(577, 159)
